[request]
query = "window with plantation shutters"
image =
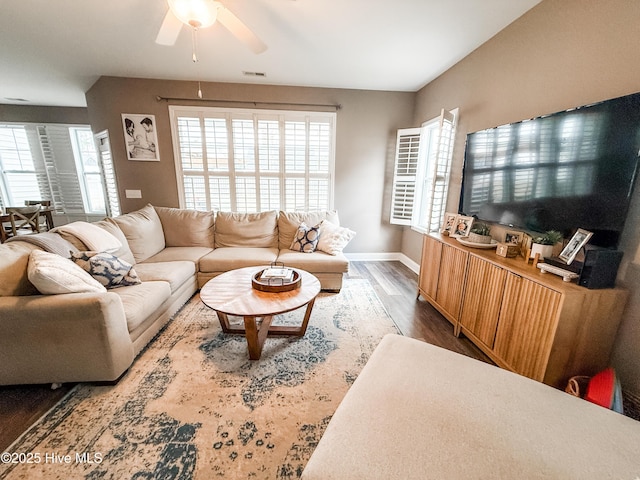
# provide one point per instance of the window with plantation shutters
(51, 162)
(19, 180)
(422, 171)
(253, 160)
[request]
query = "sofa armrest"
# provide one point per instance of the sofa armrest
(63, 338)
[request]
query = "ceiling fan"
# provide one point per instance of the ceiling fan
(199, 14)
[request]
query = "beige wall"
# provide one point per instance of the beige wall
(365, 127)
(561, 54)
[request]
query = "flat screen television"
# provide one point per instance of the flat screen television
(563, 171)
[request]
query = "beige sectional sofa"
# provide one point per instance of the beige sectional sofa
(95, 336)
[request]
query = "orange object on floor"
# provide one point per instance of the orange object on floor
(601, 388)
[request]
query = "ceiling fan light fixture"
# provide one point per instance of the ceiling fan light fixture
(195, 13)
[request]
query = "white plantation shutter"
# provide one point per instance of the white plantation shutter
(61, 168)
(108, 173)
(436, 150)
(422, 172)
(405, 174)
(252, 161)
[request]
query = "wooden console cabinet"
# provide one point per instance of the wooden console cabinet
(526, 321)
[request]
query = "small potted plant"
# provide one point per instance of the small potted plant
(480, 233)
(543, 244)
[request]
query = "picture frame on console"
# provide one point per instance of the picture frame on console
(140, 137)
(448, 223)
(579, 240)
(462, 226)
(513, 238)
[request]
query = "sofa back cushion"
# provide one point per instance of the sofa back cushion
(288, 223)
(14, 259)
(124, 252)
(186, 228)
(144, 233)
(246, 229)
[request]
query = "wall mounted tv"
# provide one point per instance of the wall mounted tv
(563, 171)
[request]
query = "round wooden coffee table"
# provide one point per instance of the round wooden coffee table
(231, 293)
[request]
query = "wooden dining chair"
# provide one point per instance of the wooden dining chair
(24, 219)
(44, 220)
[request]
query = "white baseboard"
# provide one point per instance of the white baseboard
(385, 257)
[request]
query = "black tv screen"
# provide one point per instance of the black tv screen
(568, 170)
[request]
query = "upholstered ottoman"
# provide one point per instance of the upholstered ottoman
(421, 412)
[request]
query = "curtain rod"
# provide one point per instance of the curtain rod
(248, 102)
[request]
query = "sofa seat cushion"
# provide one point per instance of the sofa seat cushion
(144, 233)
(142, 300)
(14, 258)
(174, 273)
(315, 262)
(173, 254)
(230, 258)
(247, 229)
(186, 228)
(288, 223)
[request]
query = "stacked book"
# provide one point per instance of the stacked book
(284, 274)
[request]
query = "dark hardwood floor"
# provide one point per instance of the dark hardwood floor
(395, 285)
(397, 288)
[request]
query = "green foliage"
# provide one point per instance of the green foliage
(480, 228)
(549, 238)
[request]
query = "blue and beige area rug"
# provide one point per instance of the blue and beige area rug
(193, 406)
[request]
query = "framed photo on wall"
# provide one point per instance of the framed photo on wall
(462, 226)
(140, 137)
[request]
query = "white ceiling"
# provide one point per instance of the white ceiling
(52, 51)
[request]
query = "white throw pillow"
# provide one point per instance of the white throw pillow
(52, 274)
(94, 237)
(333, 238)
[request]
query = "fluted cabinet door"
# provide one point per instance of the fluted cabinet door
(453, 266)
(430, 266)
(526, 327)
(482, 300)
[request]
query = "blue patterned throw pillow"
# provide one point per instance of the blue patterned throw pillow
(110, 271)
(306, 238)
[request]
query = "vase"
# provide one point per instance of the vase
(545, 251)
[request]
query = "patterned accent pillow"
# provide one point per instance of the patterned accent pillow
(109, 270)
(306, 238)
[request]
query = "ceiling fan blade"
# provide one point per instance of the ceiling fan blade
(240, 30)
(169, 30)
